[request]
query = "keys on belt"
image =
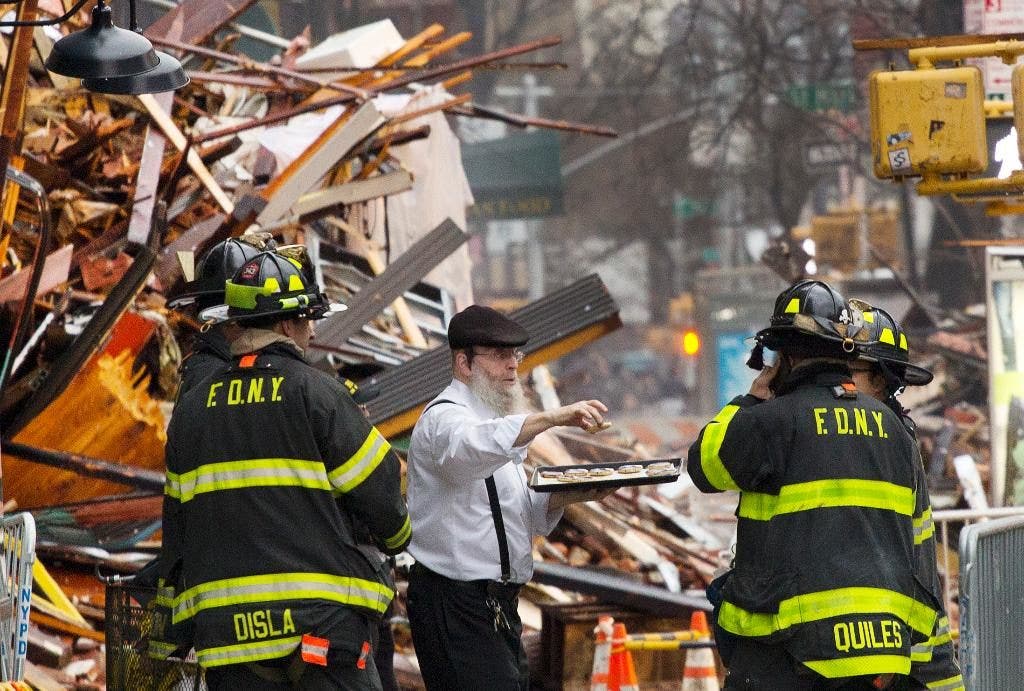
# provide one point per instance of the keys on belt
(500, 621)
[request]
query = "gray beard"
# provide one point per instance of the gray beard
(499, 398)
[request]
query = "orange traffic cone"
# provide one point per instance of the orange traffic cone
(700, 673)
(602, 653)
(621, 673)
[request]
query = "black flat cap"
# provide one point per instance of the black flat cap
(482, 326)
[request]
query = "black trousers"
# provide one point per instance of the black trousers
(453, 630)
(756, 666)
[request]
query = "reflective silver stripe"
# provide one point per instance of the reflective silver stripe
(924, 527)
(922, 652)
(260, 472)
(281, 586)
(247, 652)
(352, 472)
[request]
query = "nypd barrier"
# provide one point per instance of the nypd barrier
(992, 604)
(18, 533)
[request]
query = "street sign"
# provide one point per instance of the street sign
(684, 208)
(514, 177)
(820, 98)
(822, 156)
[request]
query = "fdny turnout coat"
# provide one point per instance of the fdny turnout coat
(826, 561)
(269, 466)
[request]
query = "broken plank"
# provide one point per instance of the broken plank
(348, 193)
(57, 624)
(148, 178)
(55, 272)
(195, 163)
(350, 128)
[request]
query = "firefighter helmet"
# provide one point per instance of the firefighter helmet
(813, 318)
(887, 345)
(217, 266)
(272, 285)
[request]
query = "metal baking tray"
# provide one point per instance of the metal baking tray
(540, 483)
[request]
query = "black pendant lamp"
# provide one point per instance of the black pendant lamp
(112, 60)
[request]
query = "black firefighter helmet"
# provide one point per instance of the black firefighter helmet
(273, 285)
(812, 319)
(216, 266)
(887, 346)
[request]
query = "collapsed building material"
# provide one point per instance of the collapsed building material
(400, 276)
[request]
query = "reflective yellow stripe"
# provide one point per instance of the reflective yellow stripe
(260, 472)
(711, 445)
(827, 604)
(247, 652)
(281, 586)
(349, 474)
(861, 665)
(793, 307)
(951, 684)
(804, 496)
(399, 538)
(924, 527)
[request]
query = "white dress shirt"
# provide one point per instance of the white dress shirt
(454, 448)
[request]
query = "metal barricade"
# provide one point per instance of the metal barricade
(19, 541)
(992, 604)
(942, 520)
(128, 623)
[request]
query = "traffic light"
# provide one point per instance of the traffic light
(927, 121)
(689, 343)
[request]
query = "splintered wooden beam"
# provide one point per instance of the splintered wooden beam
(194, 21)
(163, 120)
(340, 137)
(410, 46)
(148, 178)
(350, 193)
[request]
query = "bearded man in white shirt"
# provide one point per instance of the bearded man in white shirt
(472, 512)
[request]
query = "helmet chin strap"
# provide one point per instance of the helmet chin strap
(894, 387)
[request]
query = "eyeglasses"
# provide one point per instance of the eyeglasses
(501, 354)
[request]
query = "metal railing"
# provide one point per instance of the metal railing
(992, 604)
(942, 519)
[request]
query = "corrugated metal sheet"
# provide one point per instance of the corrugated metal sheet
(551, 319)
(992, 604)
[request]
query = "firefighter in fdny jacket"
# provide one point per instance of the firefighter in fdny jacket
(883, 369)
(269, 465)
(822, 593)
